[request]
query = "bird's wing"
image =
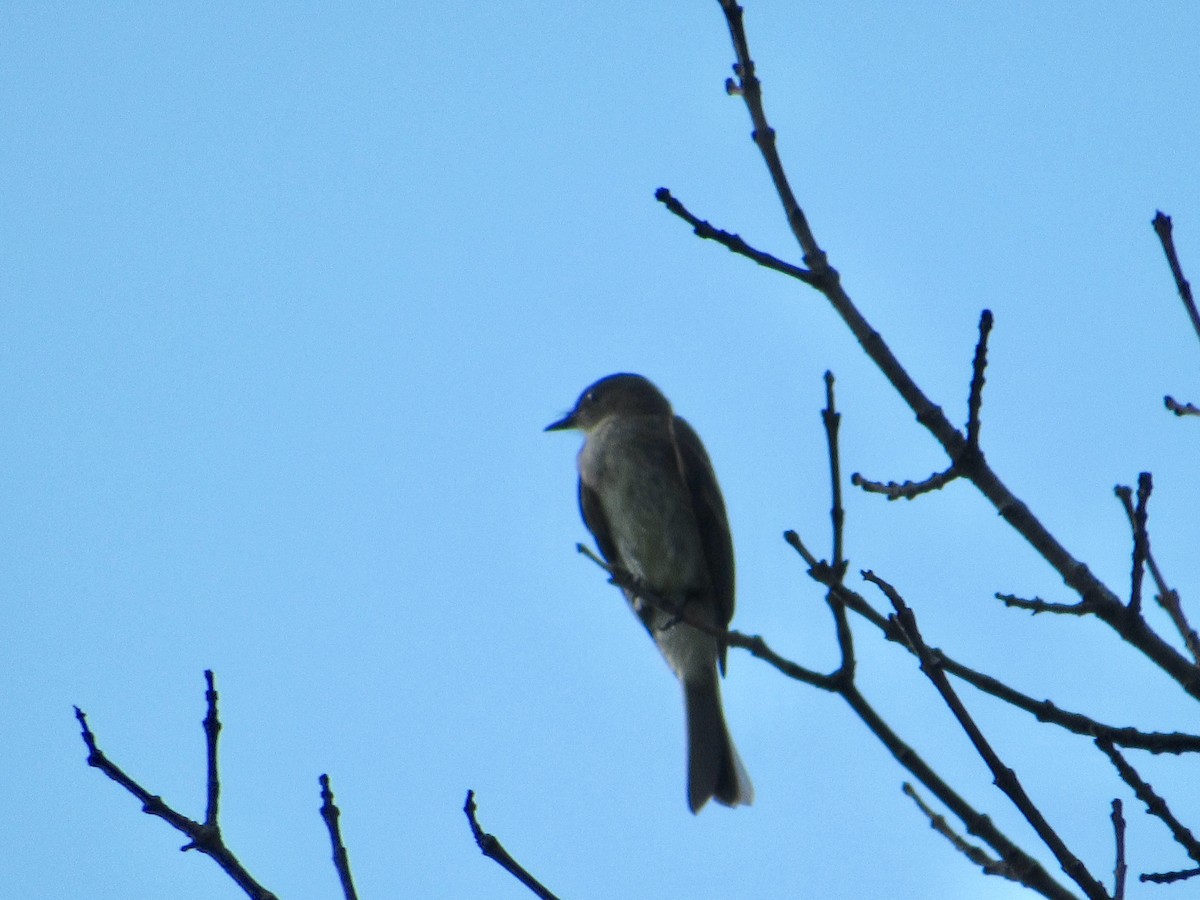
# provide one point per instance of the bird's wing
(597, 523)
(709, 509)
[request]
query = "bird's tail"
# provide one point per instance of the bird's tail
(714, 767)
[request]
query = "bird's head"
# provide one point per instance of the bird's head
(620, 394)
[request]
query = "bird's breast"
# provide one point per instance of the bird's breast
(634, 470)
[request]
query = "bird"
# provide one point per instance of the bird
(650, 498)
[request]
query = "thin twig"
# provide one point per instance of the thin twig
(907, 490)
(1038, 605)
(1043, 710)
(1119, 867)
(1155, 805)
(1141, 541)
(1027, 870)
(750, 89)
(493, 849)
(1167, 597)
(969, 453)
(1169, 877)
(1046, 711)
(1180, 409)
(212, 730)
(206, 838)
(975, 854)
(978, 365)
(831, 419)
(730, 241)
(341, 858)
(1004, 777)
(1163, 228)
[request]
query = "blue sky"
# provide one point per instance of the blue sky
(289, 292)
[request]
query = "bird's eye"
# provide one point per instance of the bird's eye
(589, 397)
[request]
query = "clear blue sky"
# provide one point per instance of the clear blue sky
(288, 292)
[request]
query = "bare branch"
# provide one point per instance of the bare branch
(910, 490)
(1004, 777)
(1155, 805)
(977, 855)
(1038, 605)
(1167, 597)
(493, 849)
(730, 241)
(1169, 877)
(1025, 869)
(975, 398)
(907, 490)
(1180, 409)
(206, 838)
(341, 858)
(750, 89)
(1141, 541)
(831, 419)
(1163, 228)
(212, 731)
(1119, 867)
(1043, 710)
(1046, 711)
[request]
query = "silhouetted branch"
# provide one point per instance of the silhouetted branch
(907, 490)
(831, 419)
(341, 858)
(1046, 711)
(493, 849)
(1119, 867)
(748, 87)
(206, 838)
(977, 855)
(733, 242)
(1167, 597)
(1169, 877)
(1024, 868)
(1043, 710)
(1155, 805)
(1163, 228)
(1004, 777)
(1141, 541)
(212, 731)
(979, 364)
(1038, 605)
(1180, 409)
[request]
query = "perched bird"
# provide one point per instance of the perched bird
(649, 496)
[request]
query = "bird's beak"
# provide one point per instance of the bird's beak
(566, 422)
